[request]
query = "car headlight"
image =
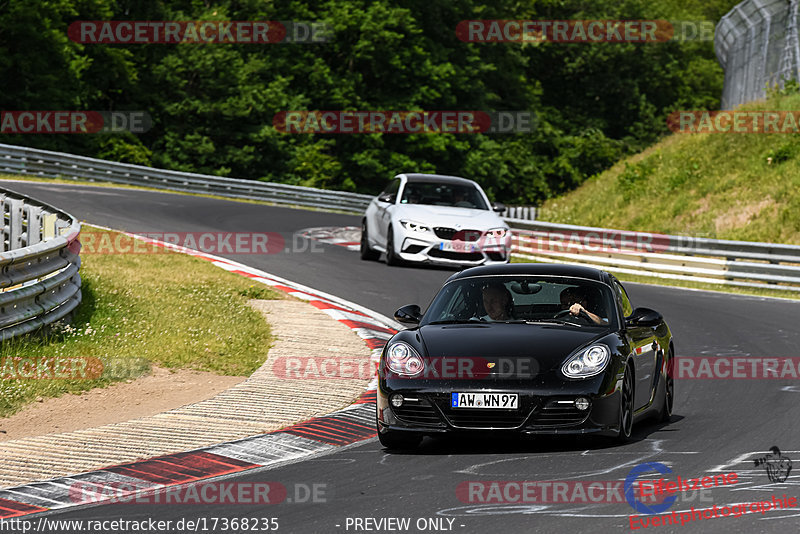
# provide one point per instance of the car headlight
(588, 362)
(402, 359)
(497, 233)
(415, 226)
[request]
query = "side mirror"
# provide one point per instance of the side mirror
(386, 198)
(644, 317)
(408, 314)
(499, 207)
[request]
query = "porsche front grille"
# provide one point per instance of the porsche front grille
(418, 412)
(558, 414)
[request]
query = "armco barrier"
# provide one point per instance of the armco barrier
(39, 257)
(734, 263)
(737, 263)
(21, 160)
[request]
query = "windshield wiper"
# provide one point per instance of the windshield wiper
(555, 321)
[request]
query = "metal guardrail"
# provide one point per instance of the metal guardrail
(528, 213)
(21, 160)
(734, 263)
(30, 161)
(39, 258)
(737, 263)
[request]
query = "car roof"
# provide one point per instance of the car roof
(438, 178)
(541, 269)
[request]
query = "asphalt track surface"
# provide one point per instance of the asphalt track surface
(715, 422)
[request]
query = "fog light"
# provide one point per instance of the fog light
(582, 403)
(397, 400)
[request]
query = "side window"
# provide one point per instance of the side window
(392, 189)
(624, 301)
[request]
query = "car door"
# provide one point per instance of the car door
(644, 349)
(382, 213)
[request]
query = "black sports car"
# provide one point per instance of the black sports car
(526, 348)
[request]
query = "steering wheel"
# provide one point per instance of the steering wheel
(564, 313)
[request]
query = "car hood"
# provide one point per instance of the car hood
(449, 216)
(548, 344)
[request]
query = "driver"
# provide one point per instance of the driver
(460, 201)
(575, 299)
(497, 302)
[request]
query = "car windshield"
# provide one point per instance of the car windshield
(443, 194)
(523, 299)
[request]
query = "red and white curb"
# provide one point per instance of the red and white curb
(321, 434)
(343, 236)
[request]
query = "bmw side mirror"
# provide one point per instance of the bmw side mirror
(386, 198)
(409, 314)
(499, 207)
(644, 317)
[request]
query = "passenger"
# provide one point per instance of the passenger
(497, 302)
(575, 299)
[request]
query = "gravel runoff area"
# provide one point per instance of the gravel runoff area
(262, 403)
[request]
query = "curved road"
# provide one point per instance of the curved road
(718, 424)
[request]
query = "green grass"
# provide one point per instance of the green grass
(723, 186)
(167, 309)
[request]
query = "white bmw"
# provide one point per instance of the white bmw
(435, 219)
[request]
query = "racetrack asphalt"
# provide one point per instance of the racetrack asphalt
(718, 425)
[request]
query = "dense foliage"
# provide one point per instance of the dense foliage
(213, 105)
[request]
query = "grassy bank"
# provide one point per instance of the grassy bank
(167, 309)
(723, 186)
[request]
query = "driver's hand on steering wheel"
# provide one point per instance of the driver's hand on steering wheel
(576, 309)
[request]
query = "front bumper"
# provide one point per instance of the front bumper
(541, 410)
(429, 248)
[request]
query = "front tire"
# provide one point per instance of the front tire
(391, 257)
(626, 407)
(366, 252)
(669, 392)
(393, 440)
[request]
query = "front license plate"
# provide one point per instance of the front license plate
(492, 401)
(456, 246)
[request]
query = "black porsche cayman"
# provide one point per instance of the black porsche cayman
(526, 348)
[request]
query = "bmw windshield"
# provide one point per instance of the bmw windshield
(443, 194)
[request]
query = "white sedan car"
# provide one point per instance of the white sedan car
(435, 219)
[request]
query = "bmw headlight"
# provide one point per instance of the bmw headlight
(497, 233)
(415, 226)
(588, 362)
(402, 359)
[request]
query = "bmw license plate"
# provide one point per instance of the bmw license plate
(458, 246)
(501, 401)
